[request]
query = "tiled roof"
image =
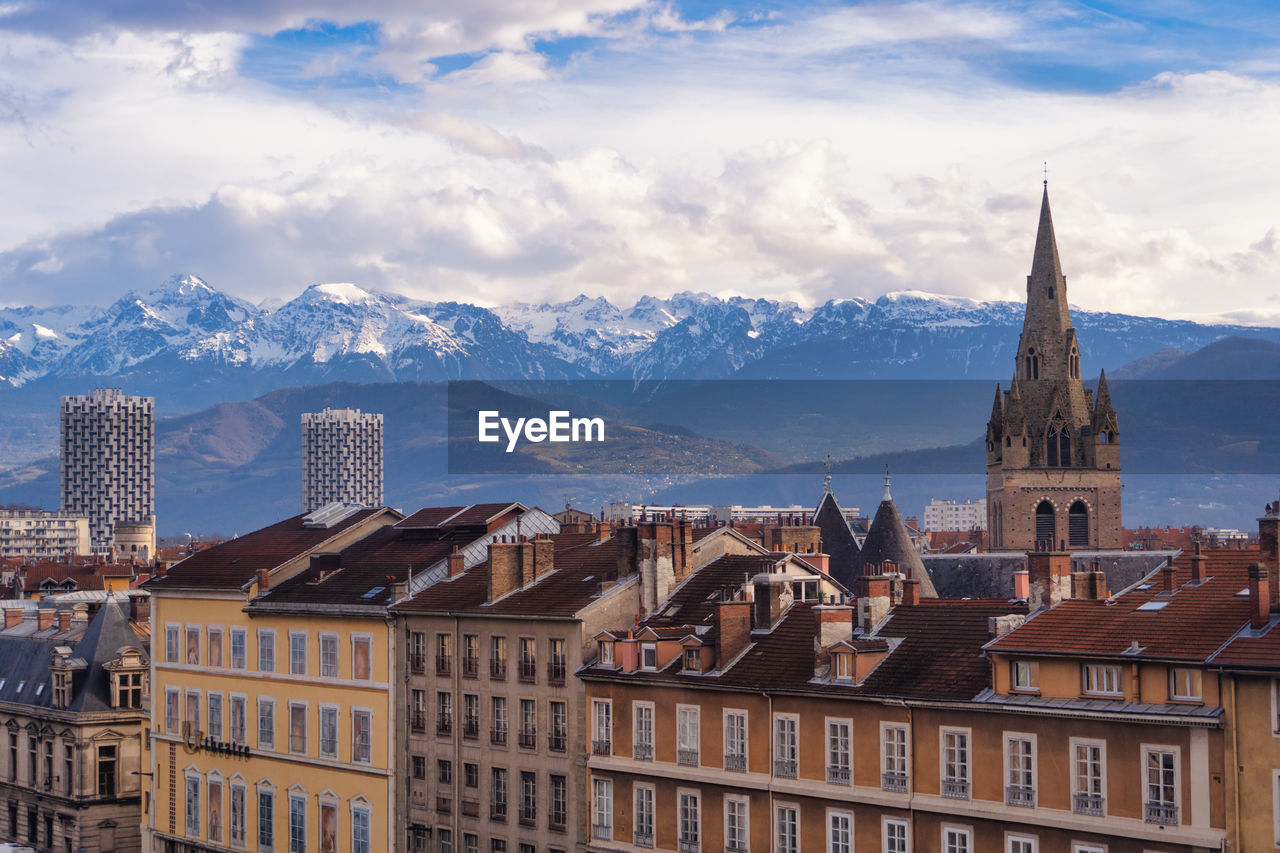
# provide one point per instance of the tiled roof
(889, 541)
(458, 516)
(81, 577)
(234, 563)
(837, 539)
(580, 560)
(1190, 624)
(694, 600)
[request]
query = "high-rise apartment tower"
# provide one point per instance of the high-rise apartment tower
(341, 458)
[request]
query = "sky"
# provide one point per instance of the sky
(531, 150)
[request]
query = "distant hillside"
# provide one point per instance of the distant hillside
(1231, 358)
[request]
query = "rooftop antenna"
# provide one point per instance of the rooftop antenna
(1046, 174)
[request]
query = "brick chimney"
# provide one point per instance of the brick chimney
(819, 560)
(1021, 585)
(911, 592)
(13, 616)
(603, 531)
(1168, 577)
(873, 600)
(773, 598)
(139, 608)
(732, 629)
(1269, 542)
(264, 580)
(504, 568)
(1259, 596)
(544, 549)
(1198, 560)
(64, 620)
(44, 617)
(1049, 573)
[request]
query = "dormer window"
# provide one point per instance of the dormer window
(605, 655)
(648, 656)
(692, 660)
(61, 689)
(844, 666)
(1024, 676)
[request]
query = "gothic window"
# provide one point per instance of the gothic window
(1058, 445)
(1102, 437)
(1045, 523)
(1032, 364)
(1078, 525)
(1051, 291)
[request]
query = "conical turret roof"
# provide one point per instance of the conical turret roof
(837, 539)
(889, 542)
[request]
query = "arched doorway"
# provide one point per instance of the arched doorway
(1078, 525)
(1045, 524)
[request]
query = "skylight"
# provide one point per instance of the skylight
(1154, 605)
(374, 593)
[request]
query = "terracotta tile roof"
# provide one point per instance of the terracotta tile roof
(234, 563)
(1190, 624)
(580, 561)
(82, 577)
(458, 516)
(693, 601)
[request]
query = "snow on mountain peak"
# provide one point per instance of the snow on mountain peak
(343, 293)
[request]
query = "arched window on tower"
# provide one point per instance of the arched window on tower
(1033, 364)
(1058, 446)
(1045, 530)
(1078, 525)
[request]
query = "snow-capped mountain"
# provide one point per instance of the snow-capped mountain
(193, 344)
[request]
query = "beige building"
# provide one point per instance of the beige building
(37, 534)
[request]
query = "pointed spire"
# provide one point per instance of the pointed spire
(997, 407)
(887, 496)
(826, 481)
(1103, 400)
(1045, 265)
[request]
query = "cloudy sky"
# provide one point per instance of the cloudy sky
(534, 149)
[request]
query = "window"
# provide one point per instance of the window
(360, 836)
(238, 645)
(328, 655)
(471, 775)
(557, 663)
(193, 806)
(642, 731)
(362, 658)
(499, 708)
(1078, 513)
(735, 740)
(215, 809)
(558, 736)
(1185, 685)
(191, 713)
(444, 654)
(838, 752)
(297, 653)
(644, 816)
(498, 792)
(604, 653)
(1102, 679)
(266, 723)
(329, 731)
(528, 723)
(690, 817)
(444, 712)
(1020, 771)
(266, 651)
(214, 638)
(648, 656)
(68, 768)
(171, 710)
(787, 825)
(237, 814)
(839, 832)
(528, 797)
(528, 659)
(1024, 675)
(170, 643)
(955, 763)
(215, 716)
(193, 645)
(687, 735)
(559, 801)
(1162, 785)
(444, 771)
(470, 843)
(1087, 778)
(445, 839)
(843, 666)
(602, 727)
(1046, 532)
(297, 728)
(786, 753)
(361, 735)
(895, 836)
(238, 714)
(107, 770)
(419, 766)
(470, 715)
(128, 689)
(692, 661)
(266, 818)
(602, 809)
(297, 823)
(498, 657)
(893, 757)
(470, 655)
(735, 825)
(417, 652)
(1020, 844)
(956, 840)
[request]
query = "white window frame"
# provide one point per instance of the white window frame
(209, 699)
(1022, 676)
(602, 721)
(602, 808)
(1275, 805)
(1082, 847)
(1148, 748)
(828, 750)
(689, 729)
(693, 795)
(266, 701)
(728, 727)
(637, 813)
(885, 841)
(791, 751)
(295, 636)
(779, 825)
(361, 806)
(331, 638)
(238, 783)
(306, 724)
(744, 831)
(1101, 745)
(191, 806)
(172, 710)
(1103, 679)
(333, 711)
(1175, 684)
(642, 711)
(904, 759)
(647, 649)
(964, 832)
(846, 816)
(172, 642)
(1012, 838)
(356, 713)
(243, 634)
(1035, 761)
(966, 767)
(357, 640)
(267, 640)
(243, 700)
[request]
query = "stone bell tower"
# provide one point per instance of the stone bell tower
(1053, 449)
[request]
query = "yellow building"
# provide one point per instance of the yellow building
(271, 712)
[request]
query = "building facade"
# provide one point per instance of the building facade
(74, 700)
(37, 534)
(341, 458)
(1053, 449)
(953, 515)
(108, 461)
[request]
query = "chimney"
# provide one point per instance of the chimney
(456, 562)
(13, 616)
(1049, 573)
(504, 568)
(44, 617)
(1168, 577)
(543, 548)
(772, 599)
(139, 608)
(1269, 543)
(603, 531)
(911, 592)
(1198, 559)
(1259, 596)
(264, 580)
(1021, 585)
(732, 630)
(820, 561)
(64, 620)
(873, 600)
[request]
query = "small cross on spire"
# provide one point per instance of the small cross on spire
(826, 481)
(1046, 173)
(887, 496)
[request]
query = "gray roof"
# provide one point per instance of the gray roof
(991, 575)
(888, 541)
(838, 542)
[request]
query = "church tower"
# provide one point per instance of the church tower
(1053, 453)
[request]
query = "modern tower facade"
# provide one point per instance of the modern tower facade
(1053, 450)
(108, 461)
(341, 458)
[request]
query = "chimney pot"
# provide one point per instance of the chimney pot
(1259, 596)
(1169, 577)
(1022, 585)
(44, 618)
(64, 620)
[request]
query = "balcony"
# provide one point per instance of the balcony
(418, 664)
(471, 808)
(557, 743)
(642, 751)
(528, 671)
(498, 811)
(838, 774)
(444, 726)
(418, 721)
(498, 670)
(955, 789)
(556, 822)
(601, 833)
(528, 739)
(470, 667)
(1023, 796)
(735, 847)
(1087, 804)
(1165, 814)
(602, 747)
(685, 845)
(471, 728)
(528, 815)
(895, 782)
(687, 757)
(498, 735)
(556, 672)
(642, 839)
(784, 767)
(444, 665)
(444, 805)
(735, 761)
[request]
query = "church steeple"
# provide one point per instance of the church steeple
(1047, 286)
